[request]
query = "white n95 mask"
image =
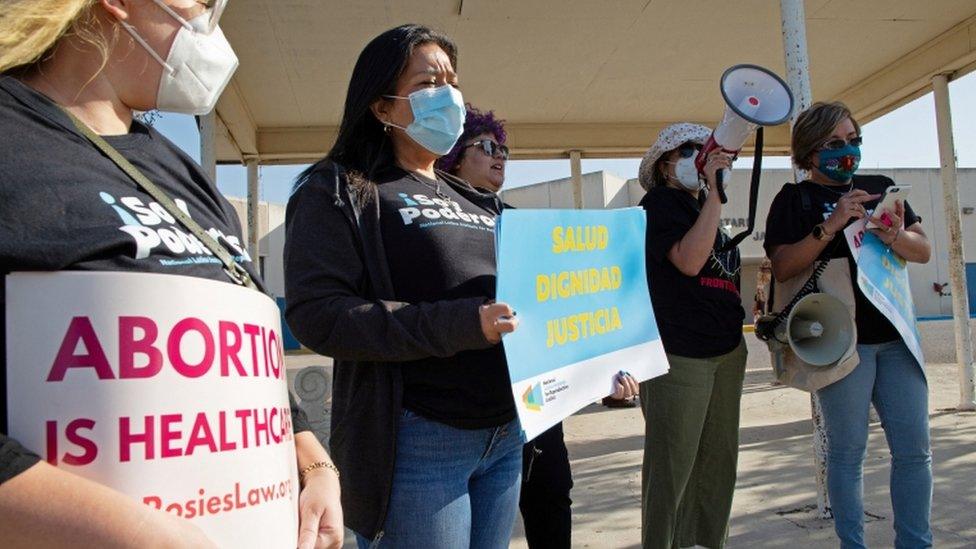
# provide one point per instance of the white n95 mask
(686, 173)
(198, 68)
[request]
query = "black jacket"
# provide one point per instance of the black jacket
(340, 304)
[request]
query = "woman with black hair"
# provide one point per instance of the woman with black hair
(390, 269)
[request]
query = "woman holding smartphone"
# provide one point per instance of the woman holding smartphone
(806, 223)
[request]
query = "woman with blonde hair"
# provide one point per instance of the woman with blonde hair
(71, 69)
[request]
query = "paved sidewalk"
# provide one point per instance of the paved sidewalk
(775, 499)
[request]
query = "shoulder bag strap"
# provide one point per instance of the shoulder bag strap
(753, 194)
(233, 269)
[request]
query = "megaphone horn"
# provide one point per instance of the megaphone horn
(754, 96)
(819, 329)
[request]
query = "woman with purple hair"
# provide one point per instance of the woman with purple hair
(480, 154)
(479, 158)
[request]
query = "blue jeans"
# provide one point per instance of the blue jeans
(889, 376)
(452, 487)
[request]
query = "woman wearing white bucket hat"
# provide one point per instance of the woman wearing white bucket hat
(692, 413)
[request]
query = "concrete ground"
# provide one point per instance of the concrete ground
(775, 499)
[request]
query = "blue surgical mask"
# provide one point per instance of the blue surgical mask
(438, 118)
(840, 164)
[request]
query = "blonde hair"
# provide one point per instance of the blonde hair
(30, 29)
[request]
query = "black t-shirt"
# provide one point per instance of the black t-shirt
(699, 316)
(65, 206)
(789, 222)
(439, 245)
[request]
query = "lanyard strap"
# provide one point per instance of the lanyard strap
(232, 268)
(753, 193)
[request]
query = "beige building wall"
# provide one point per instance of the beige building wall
(271, 226)
(605, 190)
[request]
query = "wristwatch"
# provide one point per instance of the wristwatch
(820, 233)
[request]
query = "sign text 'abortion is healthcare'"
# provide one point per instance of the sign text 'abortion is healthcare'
(170, 389)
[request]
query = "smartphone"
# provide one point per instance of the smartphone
(887, 203)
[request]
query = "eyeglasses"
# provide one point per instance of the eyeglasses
(490, 148)
(837, 144)
(214, 9)
(687, 150)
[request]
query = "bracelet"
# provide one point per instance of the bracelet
(317, 465)
(897, 234)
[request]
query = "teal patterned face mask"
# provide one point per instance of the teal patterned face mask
(840, 164)
(438, 118)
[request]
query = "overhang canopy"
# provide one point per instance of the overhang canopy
(602, 77)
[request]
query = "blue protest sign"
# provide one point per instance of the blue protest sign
(882, 276)
(577, 280)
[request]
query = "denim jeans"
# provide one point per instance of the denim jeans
(890, 377)
(452, 488)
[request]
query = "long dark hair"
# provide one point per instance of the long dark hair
(361, 146)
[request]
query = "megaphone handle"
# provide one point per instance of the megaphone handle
(719, 177)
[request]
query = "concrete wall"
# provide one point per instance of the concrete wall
(602, 190)
(271, 227)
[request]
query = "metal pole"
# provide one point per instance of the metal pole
(793, 24)
(957, 262)
(820, 457)
(208, 144)
(576, 168)
(253, 232)
(793, 21)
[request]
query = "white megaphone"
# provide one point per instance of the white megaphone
(754, 97)
(819, 329)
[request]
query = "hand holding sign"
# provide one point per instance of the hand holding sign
(46, 506)
(625, 386)
(882, 276)
(497, 319)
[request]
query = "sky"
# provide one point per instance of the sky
(904, 138)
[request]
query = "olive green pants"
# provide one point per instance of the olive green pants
(691, 447)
